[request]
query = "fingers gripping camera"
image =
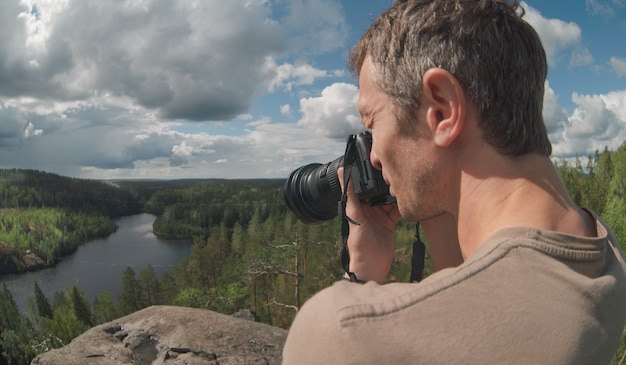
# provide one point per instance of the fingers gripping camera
(312, 191)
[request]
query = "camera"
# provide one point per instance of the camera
(312, 192)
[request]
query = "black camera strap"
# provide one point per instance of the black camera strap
(417, 260)
(348, 160)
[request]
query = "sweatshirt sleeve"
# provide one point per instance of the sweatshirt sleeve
(315, 335)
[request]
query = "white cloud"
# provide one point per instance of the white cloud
(285, 110)
(30, 130)
(103, 88)
(185, 59)
(333, 114)
(619, 66)
(553, 114)
(598, 121)
(288, 75)
(559, 38)
(106, 95)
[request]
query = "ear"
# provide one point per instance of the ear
(446, 105)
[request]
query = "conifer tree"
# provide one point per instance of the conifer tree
(13, 331)
(43, 305)
(80, 305)
(238, 240)
(168, 288)
(615, 210)
(149, 284)
(104, 308)
(130, 297)
(65, 326)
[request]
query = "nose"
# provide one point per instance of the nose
(375, 161)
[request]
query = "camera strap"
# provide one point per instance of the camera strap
(417, 260)
(348, 160)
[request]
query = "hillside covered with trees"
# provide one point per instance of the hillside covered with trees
(44, 216)
(249, 252)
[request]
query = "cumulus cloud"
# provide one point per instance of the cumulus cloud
(559, 38)
(333, 114)
(16, 127)
(185, 59)
(598, 121)
(288, 75)
(106, 87)
(553, 114)
(285, 110)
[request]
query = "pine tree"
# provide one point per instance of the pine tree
(104, 308)
(192, 297)
(615, 210)
(13, 333)
(238, 240)
(80, 305)
(43, 305)
(168, 288)
(130, 297)
(65, 326)
(150, 286)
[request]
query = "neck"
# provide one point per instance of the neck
(512, 192)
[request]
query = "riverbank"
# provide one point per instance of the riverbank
(36, 239)
(11, 263)
(98, 264)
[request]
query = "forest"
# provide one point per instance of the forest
(44, 216)
(249, 251)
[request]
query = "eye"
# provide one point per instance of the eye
(367, 126)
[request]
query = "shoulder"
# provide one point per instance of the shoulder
(314, 332)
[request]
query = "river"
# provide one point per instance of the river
(98, 265)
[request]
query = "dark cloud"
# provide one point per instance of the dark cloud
(197, 61)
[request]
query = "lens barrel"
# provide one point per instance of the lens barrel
(312, 191)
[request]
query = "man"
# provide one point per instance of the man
(452, 92)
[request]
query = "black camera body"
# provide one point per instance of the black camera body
(313, 191)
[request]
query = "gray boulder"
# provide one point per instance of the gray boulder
(165, 335)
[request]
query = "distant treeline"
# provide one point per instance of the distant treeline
(188, 208)
(21, 189)
(598, 182)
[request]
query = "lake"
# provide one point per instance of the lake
(98, 265)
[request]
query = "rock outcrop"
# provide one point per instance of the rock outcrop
(11, 262)
(165, 335)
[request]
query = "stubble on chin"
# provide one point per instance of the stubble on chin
(422, 204)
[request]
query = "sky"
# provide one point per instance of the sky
(160, 89)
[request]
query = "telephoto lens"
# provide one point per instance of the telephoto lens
(312, 191)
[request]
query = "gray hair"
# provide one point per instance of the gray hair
(496, 56)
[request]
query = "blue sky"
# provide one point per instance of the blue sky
(246, 88)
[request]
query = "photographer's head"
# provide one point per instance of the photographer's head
(496, 57)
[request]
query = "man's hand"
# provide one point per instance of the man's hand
(371, 244)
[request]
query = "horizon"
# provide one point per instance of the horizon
(247, 89)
